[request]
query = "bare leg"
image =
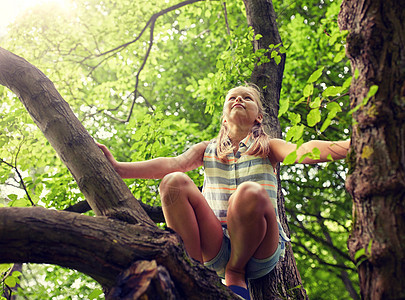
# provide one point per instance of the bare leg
(187, 212)
(253, 230)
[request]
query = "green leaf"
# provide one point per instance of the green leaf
(258, 36)
(339, 56)
(347, 82)
(369, 246)
(333, 38)
(303, 157)
(302, 99)
(10, 281)
(315, 76)
(316, 153)
(325, 124)
(361, 260)
(294, 118)
(313, 117)
(332, 91)
(284, 104)
(371, 92)
(22, 202)
(333, 106)
(295, 133)
(290, 158)
(316, 103)
(13, 197)
(95, 294)
(308, 90)
(16, 274)
(359, 253)
(5, 267)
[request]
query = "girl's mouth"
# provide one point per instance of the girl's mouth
(238, 105)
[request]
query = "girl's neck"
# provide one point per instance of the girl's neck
(238, 133)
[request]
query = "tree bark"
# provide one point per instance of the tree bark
(103, 248)
(284, 282)
(376, 48)
(103, 188)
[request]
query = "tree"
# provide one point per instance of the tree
(107, 195)
(27, 89)
(102, 72)
(376, 181)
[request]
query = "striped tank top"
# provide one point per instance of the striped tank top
(222, 178)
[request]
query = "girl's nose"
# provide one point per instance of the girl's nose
(239, 98)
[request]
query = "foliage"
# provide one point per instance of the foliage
(160, 106)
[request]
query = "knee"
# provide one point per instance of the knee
(173, 182)
(251, 198)
(252, 192)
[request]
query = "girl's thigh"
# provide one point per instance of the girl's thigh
(184, 204)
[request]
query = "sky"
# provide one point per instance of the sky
(9, 10)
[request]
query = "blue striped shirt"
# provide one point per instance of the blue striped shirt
(222, 178)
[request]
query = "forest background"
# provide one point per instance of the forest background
(146, 100)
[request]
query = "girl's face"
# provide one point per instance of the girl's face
(242, 106)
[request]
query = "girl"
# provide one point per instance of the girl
(233, 225)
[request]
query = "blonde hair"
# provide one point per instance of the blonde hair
(261, 145)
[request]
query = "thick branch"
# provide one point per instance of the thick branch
(103, 188)
(100, 247)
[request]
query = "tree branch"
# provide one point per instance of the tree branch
(320, 260)
(150, 21)
(19, 176)
(319, 239)
(101, 248)
(152, 27)
(102, 187)
(112, 52)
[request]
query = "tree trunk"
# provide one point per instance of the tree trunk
(376, 48)
(284, 282)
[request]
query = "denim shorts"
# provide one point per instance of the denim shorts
(255, 268)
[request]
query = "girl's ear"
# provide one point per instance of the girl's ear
(259, 118)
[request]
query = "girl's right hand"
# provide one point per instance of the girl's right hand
(108, 155)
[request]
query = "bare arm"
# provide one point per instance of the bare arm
(157, 168)
(337, 150)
